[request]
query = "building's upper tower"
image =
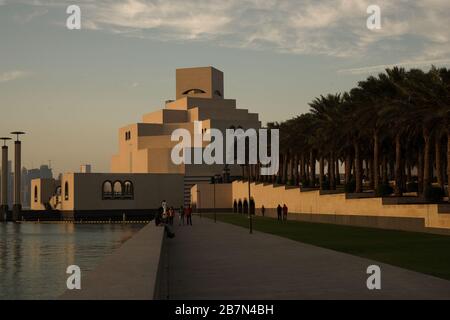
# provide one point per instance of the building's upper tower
(204, 82)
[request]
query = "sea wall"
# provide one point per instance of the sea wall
(129, 273)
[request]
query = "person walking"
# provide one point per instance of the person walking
(285, 212)
(263, 211)
(188, 214)
(164, 213)
(279, 210)
(171, 215)
(181, 216)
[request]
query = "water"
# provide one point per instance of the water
(34, 257)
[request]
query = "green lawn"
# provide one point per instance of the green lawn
(420, 252)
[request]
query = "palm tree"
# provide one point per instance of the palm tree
(391, 123)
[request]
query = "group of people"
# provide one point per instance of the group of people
(282, 212)
(167, 215)
(185, 214)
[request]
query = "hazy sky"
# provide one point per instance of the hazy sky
(72, 89)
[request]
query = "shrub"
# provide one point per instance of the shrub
(384, 190)
(433, 194)
(350, 187)
(412, 187)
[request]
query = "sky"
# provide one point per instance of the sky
(71, 90)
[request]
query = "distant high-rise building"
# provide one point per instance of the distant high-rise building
(86, 168)
(10, 184)
(43, 172)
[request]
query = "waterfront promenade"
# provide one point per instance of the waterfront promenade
(222, 261)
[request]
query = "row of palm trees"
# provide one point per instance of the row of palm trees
(390, 130)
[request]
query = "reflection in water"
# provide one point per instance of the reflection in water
(34, 257)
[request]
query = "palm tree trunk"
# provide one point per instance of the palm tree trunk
(409, 173)
(376, 166)
(420, 171)
(307, 169)
(312, 161)
(348, 167)
(448, 162)
(321, 172)
(398, 166)
(440, 178)
(302, 168)
(385, 170)
(371, 173)
(358, 173)
(291, 170)
(338, 174)
(285, 168)
(426, 158)
(331, 172)
(296, 169)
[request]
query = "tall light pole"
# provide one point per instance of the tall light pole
(214, 180)
(17, 205)
(4, 206)
(250, 221)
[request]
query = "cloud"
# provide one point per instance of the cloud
(414, 29)
(383, 67)
(12, 75)
(26, 18)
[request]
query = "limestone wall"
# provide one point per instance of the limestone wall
(312, 203)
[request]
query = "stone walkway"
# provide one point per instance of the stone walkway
(222, 261)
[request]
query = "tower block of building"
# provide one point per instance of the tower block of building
(146, 147)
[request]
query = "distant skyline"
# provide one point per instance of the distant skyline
(71, 90)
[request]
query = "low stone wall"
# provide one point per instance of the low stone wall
(337, 208)
(129, 273)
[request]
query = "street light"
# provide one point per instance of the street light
(249, 202)
(214, 179)
(17, 206)
(4, 200)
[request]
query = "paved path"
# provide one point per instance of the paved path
(222, 261)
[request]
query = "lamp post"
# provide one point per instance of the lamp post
(249, 203)
(198, 203)
(4, 206)
(17, 205)
(214, 181)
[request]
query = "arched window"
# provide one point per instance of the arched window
(193, 91)
(107, 190)
(66, 191)
(118, 189)
(35, 194)
(235, 207)
(128, 190)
